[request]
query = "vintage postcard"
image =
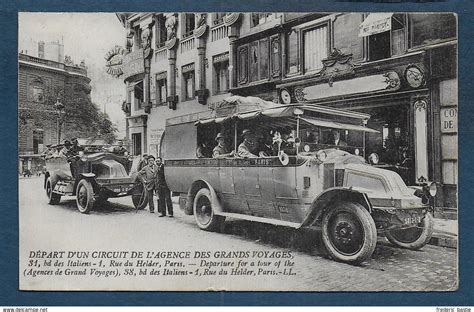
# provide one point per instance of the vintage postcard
(238, 151)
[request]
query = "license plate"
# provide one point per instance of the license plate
(412, 220)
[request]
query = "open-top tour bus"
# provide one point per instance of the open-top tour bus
(307, 181)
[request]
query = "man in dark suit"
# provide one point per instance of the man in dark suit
(148, 176)
(337, 138)
(164, 194)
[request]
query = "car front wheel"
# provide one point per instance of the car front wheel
(414, 237)
(349, 232)
(204, 214)
(140, 199)
(84, 196)
(53, 198)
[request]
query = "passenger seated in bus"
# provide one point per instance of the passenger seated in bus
(202, 151)
(249, 147)
(221, 150)
(336, 138)
(283, 142)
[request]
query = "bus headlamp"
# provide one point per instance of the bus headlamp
(306, 148)
(322, 156)
(374, 159)
(357, 152)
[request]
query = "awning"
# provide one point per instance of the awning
(375, 23)
(336, 125)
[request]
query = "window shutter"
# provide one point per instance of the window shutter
(243, 56)
(253, 62)
(264, 57)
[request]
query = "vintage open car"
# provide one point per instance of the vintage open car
(312, 183)
(93, 174)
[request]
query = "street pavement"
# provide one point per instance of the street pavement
(117, 225)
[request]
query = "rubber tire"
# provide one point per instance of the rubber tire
(90, 196)
(136, 199)
(420, 241)
(215, 222)
(53, 198)
(369, 232)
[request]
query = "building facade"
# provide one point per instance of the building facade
(399, 68)
(40, 83)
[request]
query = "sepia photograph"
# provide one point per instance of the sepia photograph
(238, 151)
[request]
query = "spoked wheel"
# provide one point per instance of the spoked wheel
(349, 233)
(204, 212)
(84, 196)
(414, 237)
(53, 198)
(140, 199)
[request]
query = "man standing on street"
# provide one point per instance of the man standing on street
(164, 194)
(148, 176)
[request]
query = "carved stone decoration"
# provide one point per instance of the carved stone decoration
(201, 25)
(300, 95)
(420, 105)
(129, 40)
(68, 60)
(146, 42)
(171, 25)
(82, 64)
(337, 64)
(392, 80)
(126, 108)
(231, 18)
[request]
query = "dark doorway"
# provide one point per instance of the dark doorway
(137, 143)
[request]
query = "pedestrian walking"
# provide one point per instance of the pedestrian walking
(148, 176)
(162, 190)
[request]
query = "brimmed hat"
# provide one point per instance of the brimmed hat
(67, 143)
(151, 156)
(219, 135)
(247, 132)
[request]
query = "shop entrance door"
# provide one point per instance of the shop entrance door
(137, 143)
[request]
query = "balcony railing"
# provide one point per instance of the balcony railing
(54, 64)
(187, 44)
(218, 32)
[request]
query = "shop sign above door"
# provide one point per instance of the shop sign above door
(449, 120)
(114, 60)
(133, 64)
(375, 23)
(388, 81)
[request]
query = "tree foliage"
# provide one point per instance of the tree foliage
(82, 118)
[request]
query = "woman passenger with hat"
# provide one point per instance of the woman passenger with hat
(221, 151)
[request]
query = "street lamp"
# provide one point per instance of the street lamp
(60, 110)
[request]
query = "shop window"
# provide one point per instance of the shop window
(138, 95)
(388, 43)
(160, 31)
(218, 18)
(38, 94)
(254, 61)
(161, 91)
(189, 25)
(315, 42)
(292, 52)
(427, 28)
(259, 18)
(221, 73)
(38, 137)
(188, 82)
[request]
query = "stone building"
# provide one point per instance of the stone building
(41, 81)
(400, 68)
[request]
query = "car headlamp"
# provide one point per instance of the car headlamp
(322, 156)
(433, 189)
(306, 148)
(357, 152)
(374, 159)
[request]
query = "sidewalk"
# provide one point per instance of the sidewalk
(445, 233)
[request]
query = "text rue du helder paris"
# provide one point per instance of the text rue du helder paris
(159, 263)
